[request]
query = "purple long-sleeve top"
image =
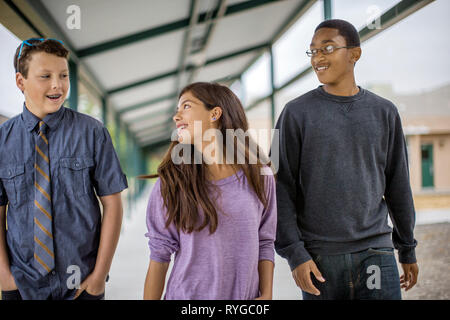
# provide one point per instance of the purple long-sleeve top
(222, 265)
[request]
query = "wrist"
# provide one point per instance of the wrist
(266, 293)
(99, 275)
(7, 281)
(265, 296)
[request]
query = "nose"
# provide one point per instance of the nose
(56, 83)
(317, 58)
(176, 117)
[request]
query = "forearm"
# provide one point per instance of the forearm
(109, 236)
(288, 242)
(265, 270)
(399, 197)
(154, 282)
(402, 213)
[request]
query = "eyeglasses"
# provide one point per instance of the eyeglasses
(329, 49)
(33, 42)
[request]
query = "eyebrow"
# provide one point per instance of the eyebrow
(323, 41)
(45, 70)
(183, 102)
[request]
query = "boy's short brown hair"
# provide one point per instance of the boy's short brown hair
(51, 46)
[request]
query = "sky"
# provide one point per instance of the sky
(411, 56)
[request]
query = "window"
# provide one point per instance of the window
(289, 50)
(88, 103)
(256, 80)
(12, 98)
(299, 87)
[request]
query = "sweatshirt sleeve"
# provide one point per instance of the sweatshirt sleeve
(162, 241)
(288, 243)
(268, 225)
(398, 193)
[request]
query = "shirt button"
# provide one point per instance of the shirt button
(77, 164)
(9, 173)
(53, 272)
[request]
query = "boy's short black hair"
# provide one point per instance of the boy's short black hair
(345, 29)
(50, 46)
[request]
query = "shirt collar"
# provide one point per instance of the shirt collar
(52, 120)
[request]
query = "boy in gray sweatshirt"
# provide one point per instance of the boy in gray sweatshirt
(343, 169)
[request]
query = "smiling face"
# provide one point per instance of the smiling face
(337, 67)
(189, 110)
(46, 85)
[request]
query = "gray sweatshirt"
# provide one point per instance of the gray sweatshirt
(343, 168)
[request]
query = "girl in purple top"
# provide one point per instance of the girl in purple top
(218, 219)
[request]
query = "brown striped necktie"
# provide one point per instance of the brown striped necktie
(44, 258)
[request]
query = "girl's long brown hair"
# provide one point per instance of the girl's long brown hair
(184, 187)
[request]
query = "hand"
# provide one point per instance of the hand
(302, 277)
(409, 276)
(8, 284)
(264, 297)
(93, 284)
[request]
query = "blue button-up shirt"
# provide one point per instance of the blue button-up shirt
(82, 159)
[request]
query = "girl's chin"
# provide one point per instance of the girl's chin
(185, 137)
(183, 140)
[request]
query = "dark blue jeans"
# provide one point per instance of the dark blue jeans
(11, 295)
(369, 274)
(15, 295)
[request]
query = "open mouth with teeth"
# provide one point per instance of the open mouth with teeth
(321, 68)
(183, 126)
(54, 97)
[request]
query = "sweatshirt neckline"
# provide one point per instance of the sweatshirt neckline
(341, 99)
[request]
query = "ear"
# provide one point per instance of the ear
(355, 54)
(216, 113)
(20, 81)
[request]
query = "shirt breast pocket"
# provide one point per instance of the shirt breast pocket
(13, 179)
(74, 175)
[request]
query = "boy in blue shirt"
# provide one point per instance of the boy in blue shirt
(57, 244)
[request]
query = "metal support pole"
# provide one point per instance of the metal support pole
(104, 111)
(128, 170)
(272, 84)
(117, 136)
(135, 169)
(327, 14)
(73, 78)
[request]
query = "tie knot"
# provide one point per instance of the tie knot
(42, 127)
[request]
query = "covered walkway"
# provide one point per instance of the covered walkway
(129, 59)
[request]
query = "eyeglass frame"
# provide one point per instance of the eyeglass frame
(308, 52)
(32, 44)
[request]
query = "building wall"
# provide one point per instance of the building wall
(441, 160)
(415, 163)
